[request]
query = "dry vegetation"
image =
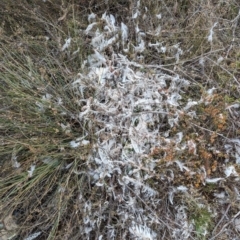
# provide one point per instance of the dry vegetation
(119, 119)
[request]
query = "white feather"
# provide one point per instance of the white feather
(124, 32)
(213, 180)
(30, 172)
(89, 27)
(67, 44)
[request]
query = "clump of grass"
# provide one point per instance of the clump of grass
(203, 222)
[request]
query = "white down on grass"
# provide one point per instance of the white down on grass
(127, 109)
(129, 104)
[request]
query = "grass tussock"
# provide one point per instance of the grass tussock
(119, 119)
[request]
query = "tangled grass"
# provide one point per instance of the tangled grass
(119, 120)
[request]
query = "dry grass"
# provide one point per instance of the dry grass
(178, 181)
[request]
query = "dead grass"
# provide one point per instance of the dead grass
(48, 188)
